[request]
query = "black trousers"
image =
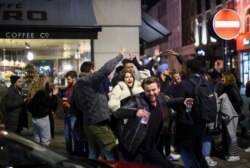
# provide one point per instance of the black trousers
(152, 157)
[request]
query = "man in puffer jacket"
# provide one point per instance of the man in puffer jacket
(89, 98)
(16, 116)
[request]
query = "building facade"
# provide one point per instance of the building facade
(243, 40)
(168, 13)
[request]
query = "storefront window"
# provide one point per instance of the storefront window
(51, 57)
(248, 21)
(245, 67)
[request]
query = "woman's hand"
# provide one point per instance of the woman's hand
(55, 90)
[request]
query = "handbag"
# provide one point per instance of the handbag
(214, 128)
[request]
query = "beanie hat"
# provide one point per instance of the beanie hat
(13, 79)
(162, 68)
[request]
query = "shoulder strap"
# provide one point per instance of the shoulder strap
(193, 82)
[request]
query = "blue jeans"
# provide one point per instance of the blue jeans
(70, 137)
(190, 140)
(206, 145)
(189, 159)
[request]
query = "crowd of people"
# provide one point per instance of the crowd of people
(139, 115)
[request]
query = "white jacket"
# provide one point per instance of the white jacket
(120, 92)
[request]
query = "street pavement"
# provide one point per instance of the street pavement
(58, 145)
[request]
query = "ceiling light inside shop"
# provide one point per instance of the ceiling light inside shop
(67, 67)
(5, 62)
(30, 56)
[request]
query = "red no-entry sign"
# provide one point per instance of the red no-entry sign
(226, 24)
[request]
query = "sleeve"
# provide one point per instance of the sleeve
(150, 65)
(114, 101)
(137, 65)
(128, 108)
(105, 70)
(12, 101)
(180, 59)
(238, 102)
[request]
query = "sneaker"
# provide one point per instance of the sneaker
(247, 149)
(173, 157)
(210, 161)
(233, 158)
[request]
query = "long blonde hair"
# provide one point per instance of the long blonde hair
(38, 83)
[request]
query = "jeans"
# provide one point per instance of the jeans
(70, 137)
(41, 130)
(190, 140)
(189, 159)
(206, 145)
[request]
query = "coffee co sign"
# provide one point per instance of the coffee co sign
(27, 35)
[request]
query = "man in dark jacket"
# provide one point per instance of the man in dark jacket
(16, 113)
(139, 138)
(90, 99)
(190, 131)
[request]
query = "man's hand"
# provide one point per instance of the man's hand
(131, 55)
(157, 52)
(142, 113)
(172, 53)
(55, 90)
(65, 105)
(189, 101)
(122, 51)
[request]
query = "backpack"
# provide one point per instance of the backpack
(205, 106)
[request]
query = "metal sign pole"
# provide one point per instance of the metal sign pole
(225, 55)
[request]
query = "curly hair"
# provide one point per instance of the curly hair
(229, 79)
(39, 83)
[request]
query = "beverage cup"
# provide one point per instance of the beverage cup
(188, 108)
(25, 96)
(144, 120)
(65, 99)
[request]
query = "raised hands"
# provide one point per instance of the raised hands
(131, 55)
(122, 51)
(171, 52)
(157, 51)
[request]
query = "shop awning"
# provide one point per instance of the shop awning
(51, 19)
(151, 31)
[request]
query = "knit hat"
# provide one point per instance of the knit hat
(14, 78)
(162, 68)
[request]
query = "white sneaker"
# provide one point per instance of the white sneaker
(247, 149)
(233, 158)
(173, 157)
(210, 161)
